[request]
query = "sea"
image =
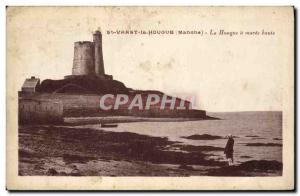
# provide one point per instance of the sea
(257, 135)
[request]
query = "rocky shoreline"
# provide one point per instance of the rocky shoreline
(67, 150)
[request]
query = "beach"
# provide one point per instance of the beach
(153, 147)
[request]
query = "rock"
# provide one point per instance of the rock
(186, 167)
(203, 137)
(248, 168)
(191, 148)
(75, 172)
(52, 172)
(263, 165)
(251, 136)
(263, 144)
(245, 157)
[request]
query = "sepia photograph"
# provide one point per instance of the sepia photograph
(150, 98)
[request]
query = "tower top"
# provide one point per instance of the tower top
(98, 31)
(97, 35)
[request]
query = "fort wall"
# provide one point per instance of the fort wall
(41, 111)
(75, 105)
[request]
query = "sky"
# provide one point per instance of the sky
(224, 73)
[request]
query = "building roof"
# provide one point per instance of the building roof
(31, 82)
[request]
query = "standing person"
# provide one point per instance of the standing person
(228, 151)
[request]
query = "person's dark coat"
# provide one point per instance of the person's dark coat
(229, 148)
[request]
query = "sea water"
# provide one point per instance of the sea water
(264, 128)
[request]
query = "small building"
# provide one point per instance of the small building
(30, 85)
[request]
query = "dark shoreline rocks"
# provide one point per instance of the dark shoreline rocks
(245, 157)
(263, 144)
(248, 168)
(191, 148)
(83, 145)
(251, 136)
(203, 137)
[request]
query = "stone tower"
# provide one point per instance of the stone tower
(83, 61)
(99, 65)
(88, 58)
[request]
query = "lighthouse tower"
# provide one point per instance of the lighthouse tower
(99, 65)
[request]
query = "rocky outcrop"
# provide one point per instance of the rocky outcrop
(83, 85)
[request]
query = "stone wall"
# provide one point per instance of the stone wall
(89, 105)
(40, 111)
